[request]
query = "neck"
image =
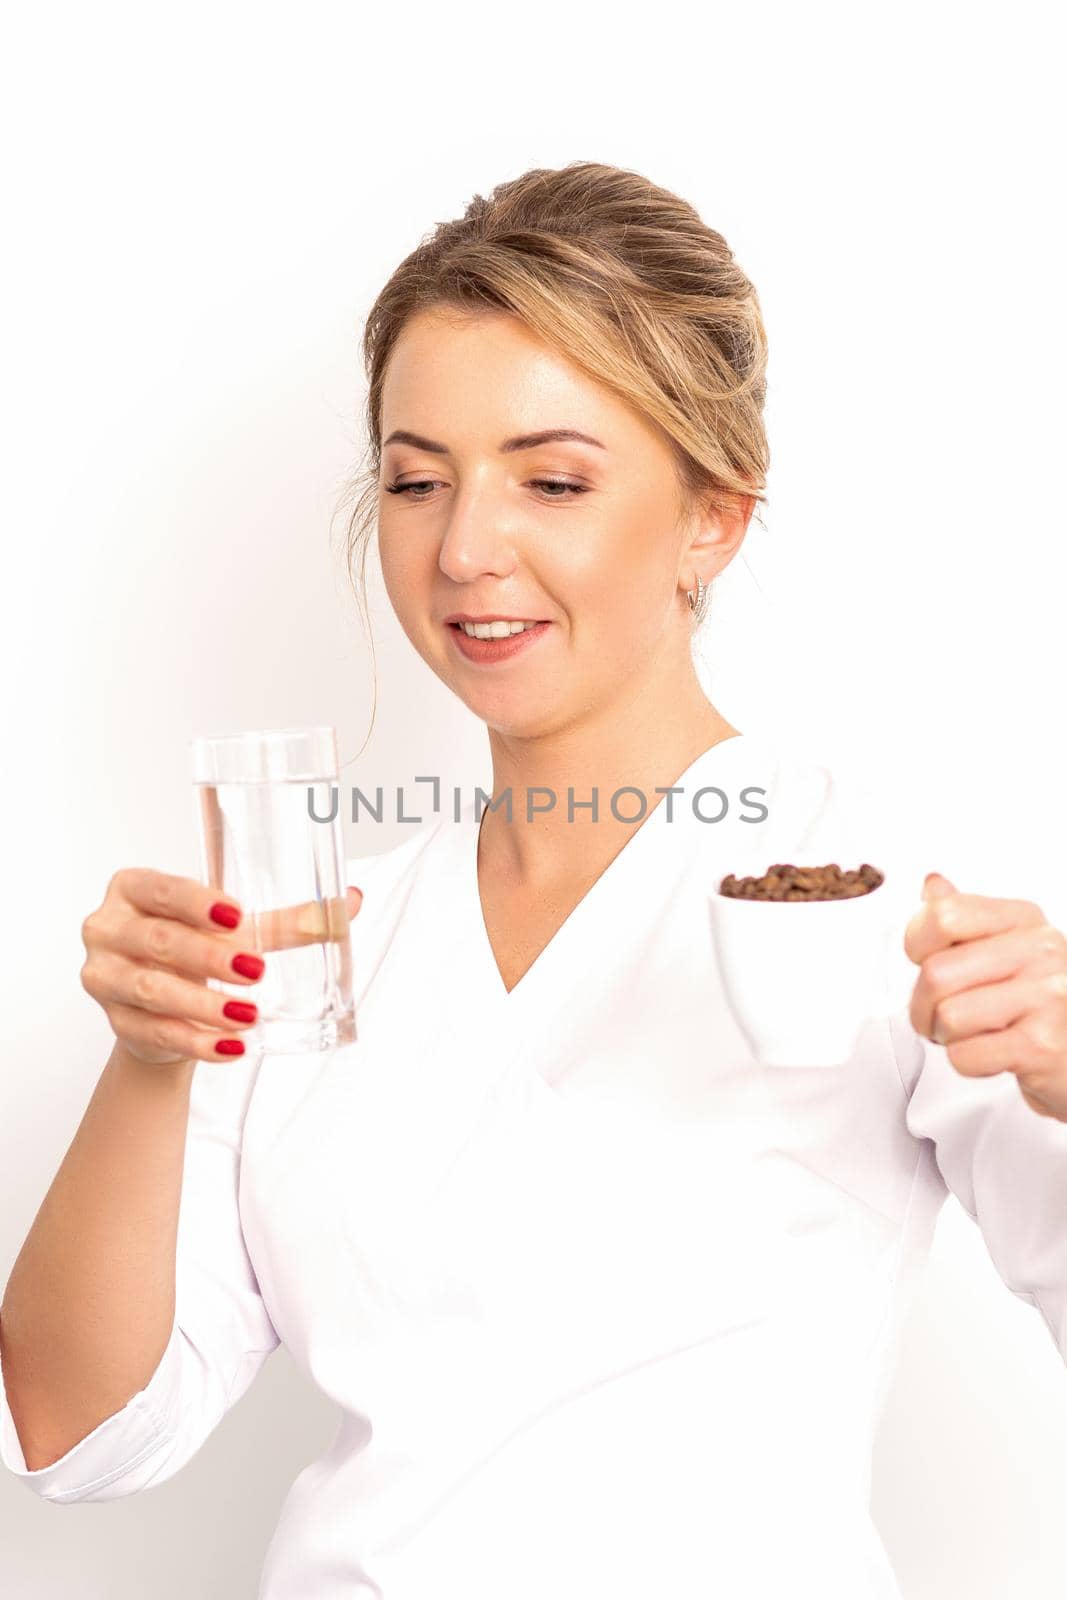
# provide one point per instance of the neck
(634, 747)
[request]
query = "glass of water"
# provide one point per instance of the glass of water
(271, 838)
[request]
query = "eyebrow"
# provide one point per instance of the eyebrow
(521, 441)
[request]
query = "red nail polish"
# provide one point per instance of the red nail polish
(240, 1011)
(226, 916)
(248, 966)
(230, 1047)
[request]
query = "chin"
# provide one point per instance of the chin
(538, 722)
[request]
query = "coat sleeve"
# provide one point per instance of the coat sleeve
(221, 1335)
(1006, 1165)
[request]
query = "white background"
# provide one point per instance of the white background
(201, 203)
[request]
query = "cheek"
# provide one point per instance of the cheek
(407, 570)
(575, 572)
(636, 591)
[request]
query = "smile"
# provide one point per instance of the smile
(488, 642)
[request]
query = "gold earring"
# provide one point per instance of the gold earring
(699, 602)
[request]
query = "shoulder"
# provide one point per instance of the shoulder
(793, 799)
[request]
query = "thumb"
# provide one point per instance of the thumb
(936, 886)
(355, 898)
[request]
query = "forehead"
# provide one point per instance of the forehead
(452, 374)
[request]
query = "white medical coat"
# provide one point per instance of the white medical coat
(607, 1308)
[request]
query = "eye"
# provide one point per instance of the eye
(540, 483)
(558, 483)
(406, 488)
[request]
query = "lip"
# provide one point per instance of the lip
(487, 651)
(465, 616)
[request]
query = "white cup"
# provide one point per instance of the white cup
(803, 978)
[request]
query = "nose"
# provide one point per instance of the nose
(476, 544)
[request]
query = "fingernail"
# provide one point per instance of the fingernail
(240, 1011)
(230, 1047)
(938, 1035)
(248, 966)
(226, 916)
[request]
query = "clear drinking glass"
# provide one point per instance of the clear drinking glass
(259, 797)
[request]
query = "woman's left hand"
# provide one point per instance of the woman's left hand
(992, 988)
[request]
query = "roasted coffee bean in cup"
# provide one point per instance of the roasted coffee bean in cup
(784, 881)
(803, 985)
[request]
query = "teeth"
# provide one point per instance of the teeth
(494, 630)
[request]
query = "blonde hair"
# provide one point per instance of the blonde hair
(623, 279)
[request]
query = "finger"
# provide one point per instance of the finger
(173, 1035)
(162, 942)
(988, 960)
(988, 1008)
(164, 894)
(952, 918)
(313, 922)
(1033, 1044)
(116, 980)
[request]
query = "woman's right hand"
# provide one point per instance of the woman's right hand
(152, 944)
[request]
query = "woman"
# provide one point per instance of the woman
(608, 1309)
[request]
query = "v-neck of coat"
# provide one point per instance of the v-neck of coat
(611, 902)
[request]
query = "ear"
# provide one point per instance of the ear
(718, 528)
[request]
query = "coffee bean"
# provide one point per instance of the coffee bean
(784, 881)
